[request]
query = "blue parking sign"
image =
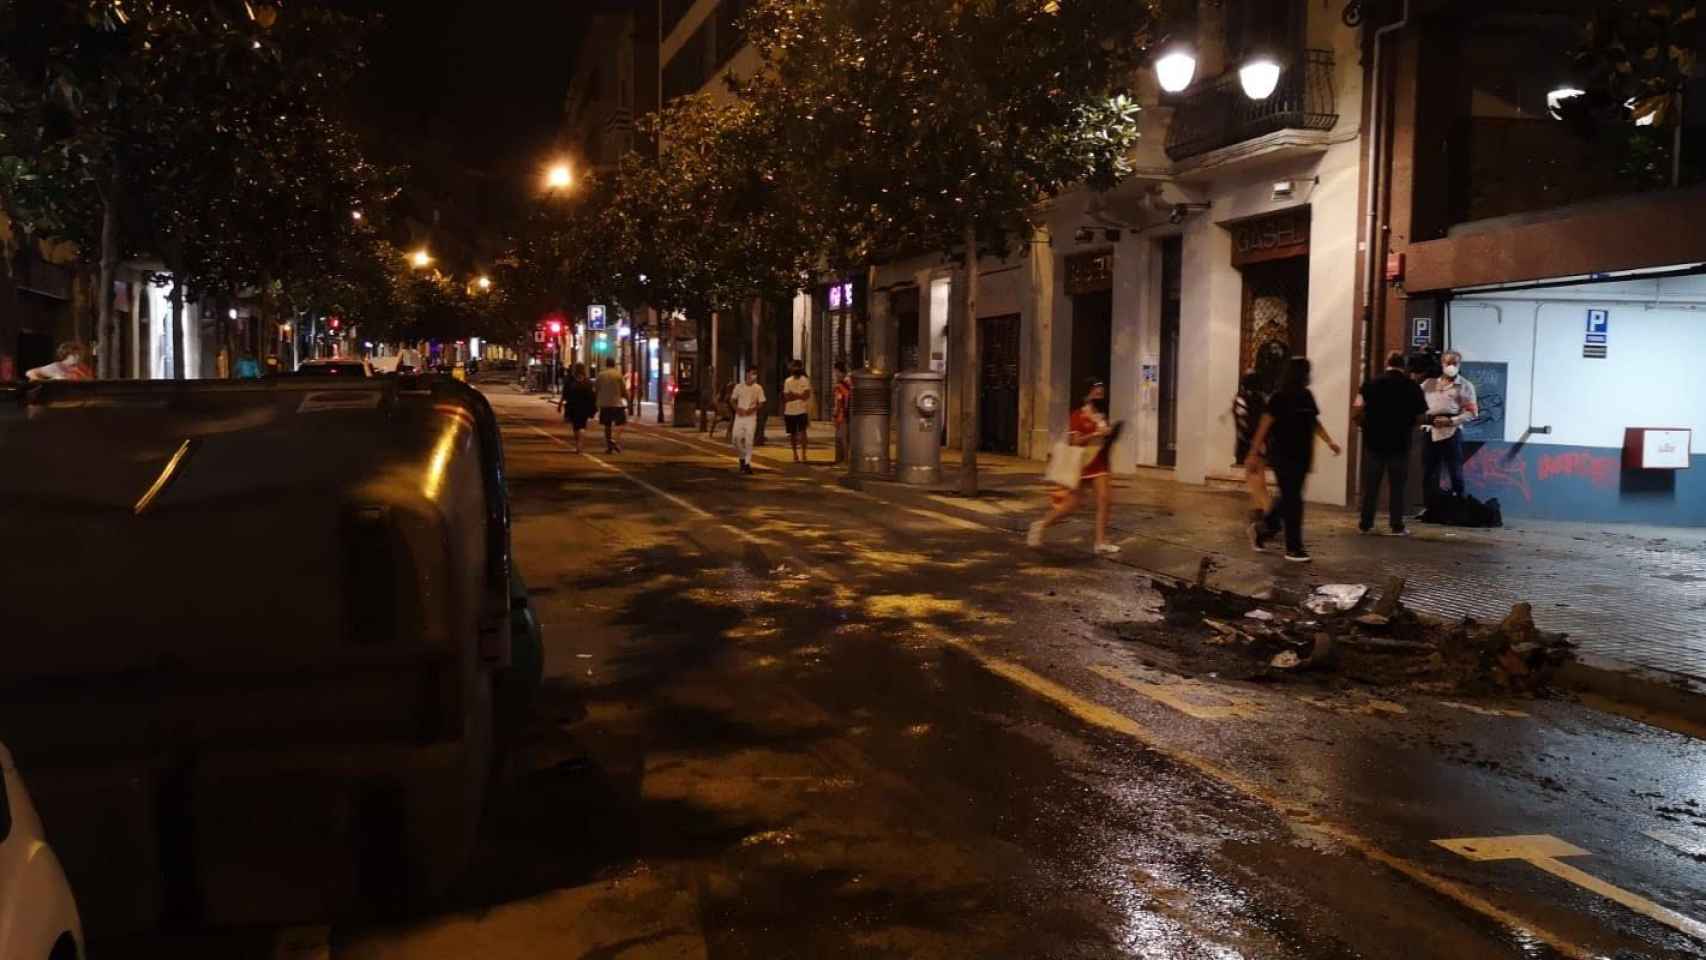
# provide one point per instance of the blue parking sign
(1599, 321)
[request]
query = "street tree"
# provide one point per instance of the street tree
(1633, 65)
(948, 126)
(196, 131)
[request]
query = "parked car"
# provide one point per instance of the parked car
(303, 735)
(339, 367)
(38, 916)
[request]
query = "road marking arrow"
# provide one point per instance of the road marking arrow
(1546, 852)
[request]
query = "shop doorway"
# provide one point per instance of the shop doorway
(1275, 323)
(998, 398)
(1092, 342)
(1272, 254)
(1172, 271)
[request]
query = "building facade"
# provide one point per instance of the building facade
(1565, 262)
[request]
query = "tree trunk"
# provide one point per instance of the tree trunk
(179, 369)
(105, 332)
(969, 375)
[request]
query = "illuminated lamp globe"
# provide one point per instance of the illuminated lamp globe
(1556, 97)
(1259, 77)
(1175, 69)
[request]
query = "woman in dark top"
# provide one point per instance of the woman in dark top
(1287, 433)
(579, 401)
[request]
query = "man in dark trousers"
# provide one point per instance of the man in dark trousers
(1389, 408)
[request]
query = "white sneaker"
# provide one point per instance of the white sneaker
(1107, 549)
(1034, 537)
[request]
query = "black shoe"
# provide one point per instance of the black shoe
(1298, 557)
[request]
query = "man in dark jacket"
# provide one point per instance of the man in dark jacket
(1389, 408)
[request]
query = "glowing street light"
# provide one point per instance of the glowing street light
(484, 283)
(355, 215)
(1259, 76)
(421, 259)
(559, 177)
(1175, 69)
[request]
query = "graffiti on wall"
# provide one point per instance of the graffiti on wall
(1601, 471)
(1490, 473)
(1491, 381)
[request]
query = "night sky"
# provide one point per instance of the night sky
(470, 97)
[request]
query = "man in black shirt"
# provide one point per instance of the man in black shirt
(1389, 408)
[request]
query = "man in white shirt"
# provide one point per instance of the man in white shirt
(796, 400)
(1451, 404)
(748, 400)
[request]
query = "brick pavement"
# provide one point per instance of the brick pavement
(1635, 594)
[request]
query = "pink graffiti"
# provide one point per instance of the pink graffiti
(1491, 470)
(1600, 471)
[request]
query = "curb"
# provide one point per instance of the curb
(1668, 695)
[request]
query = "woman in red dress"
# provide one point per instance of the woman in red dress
(1086, 428)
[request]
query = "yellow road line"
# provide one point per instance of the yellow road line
(1108, 719)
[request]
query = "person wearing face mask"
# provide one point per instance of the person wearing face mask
(1451, 404)
(1087, 427)
(69, 366)
(1287, 433)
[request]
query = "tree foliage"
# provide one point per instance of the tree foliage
(914, 122)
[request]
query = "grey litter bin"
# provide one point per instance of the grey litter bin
(868, 429)
(919, 410)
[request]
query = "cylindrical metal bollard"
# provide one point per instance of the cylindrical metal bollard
(919, 410)
(868, 429)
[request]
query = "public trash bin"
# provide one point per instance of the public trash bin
(919, 410)
(869, 427)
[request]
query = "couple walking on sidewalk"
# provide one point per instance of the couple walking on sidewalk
(607, 397)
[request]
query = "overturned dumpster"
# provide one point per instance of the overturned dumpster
(253, 634)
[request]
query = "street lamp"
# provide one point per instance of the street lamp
(1259, 76)
(1556, 97)
(355, 215)
(1175, 68)
(558, 177)
(421, 259)
(484, 283)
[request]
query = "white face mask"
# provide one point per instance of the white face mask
(1451, 370)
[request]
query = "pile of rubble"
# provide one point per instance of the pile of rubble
(1335, 633)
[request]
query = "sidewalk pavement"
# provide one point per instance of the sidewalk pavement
(1633, 594)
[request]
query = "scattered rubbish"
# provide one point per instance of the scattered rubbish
(1387, 605)
(1336, 597)
(1330, 638)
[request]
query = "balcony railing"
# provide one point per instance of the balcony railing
(1218, 114)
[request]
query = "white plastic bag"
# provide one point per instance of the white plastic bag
(1066, 464)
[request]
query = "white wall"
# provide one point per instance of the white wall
(1650, 376)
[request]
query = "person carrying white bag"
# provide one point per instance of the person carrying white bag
(1080, 461)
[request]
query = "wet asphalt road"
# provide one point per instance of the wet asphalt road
(826, 722)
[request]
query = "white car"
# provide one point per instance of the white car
(38, 917)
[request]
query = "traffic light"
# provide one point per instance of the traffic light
(556, 327)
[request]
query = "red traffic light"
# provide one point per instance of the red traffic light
(555, 326)
(334, 321)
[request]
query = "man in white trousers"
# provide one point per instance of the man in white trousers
(748, 400)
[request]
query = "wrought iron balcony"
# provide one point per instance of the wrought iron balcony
(1217, 113)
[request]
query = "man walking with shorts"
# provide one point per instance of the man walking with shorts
(748, 400)
(612, 404)
(796, 400)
